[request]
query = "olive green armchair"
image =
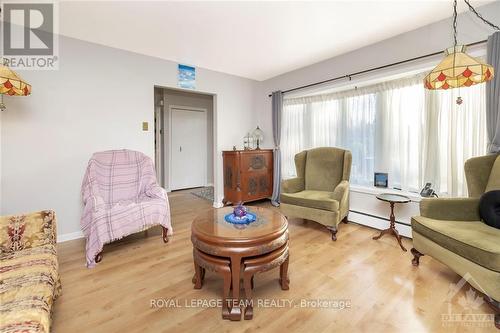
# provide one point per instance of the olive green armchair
(320, 192)
(450, 230)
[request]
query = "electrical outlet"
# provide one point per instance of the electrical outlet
(145, 126)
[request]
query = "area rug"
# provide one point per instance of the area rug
(206, 193)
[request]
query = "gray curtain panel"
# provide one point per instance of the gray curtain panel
(277, 103)
(493, 94)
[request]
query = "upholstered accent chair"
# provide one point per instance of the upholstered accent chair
(320, 192)
(120, 197)
(450, 230)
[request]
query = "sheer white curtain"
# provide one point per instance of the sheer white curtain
(398, 127)
(454, 134)
(293, 134)
(400, 122)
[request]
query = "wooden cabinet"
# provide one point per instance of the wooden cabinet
(248, 175)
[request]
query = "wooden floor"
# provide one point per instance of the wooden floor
(386, 293)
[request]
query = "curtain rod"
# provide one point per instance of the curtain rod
(349, 76)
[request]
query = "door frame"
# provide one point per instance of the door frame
(217, 158)
(169, 161)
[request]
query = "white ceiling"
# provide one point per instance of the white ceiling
(256, 40)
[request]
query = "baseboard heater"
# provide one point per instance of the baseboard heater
(380, 218)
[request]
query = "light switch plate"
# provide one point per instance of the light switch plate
(145, 125)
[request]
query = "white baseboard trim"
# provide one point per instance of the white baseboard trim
(69, 236)
(378, 223)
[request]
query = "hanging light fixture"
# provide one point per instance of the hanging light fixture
(458, 69)
(11, 84)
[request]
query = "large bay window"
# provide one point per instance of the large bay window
(398, 127)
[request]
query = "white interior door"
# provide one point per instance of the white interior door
(188, 148)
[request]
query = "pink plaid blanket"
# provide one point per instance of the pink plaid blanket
(120, 197)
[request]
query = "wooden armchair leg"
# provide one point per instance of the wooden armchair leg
(98, 257)
(333, 230)
(495, 305)
(416, 257)
(164, 234)
(345, 220)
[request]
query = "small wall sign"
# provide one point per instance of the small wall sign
(186, 76)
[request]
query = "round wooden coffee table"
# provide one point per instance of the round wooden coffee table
(211, 234)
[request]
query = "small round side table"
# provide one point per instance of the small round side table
(392, 199)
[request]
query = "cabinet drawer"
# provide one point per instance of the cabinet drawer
(257, 162)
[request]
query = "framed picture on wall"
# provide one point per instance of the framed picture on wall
(187, 76)
(381, 179)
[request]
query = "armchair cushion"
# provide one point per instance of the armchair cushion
(313, 199)
(472, 240)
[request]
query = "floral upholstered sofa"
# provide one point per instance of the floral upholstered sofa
(29, 277)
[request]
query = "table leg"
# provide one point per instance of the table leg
(392, 229)
(284, 280)
(235, 313)
(225, 293)
(398, 237)
(248, 286)
(197, 278)
(383, 232)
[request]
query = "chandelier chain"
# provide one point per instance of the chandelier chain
(455, 22)
(472, 9)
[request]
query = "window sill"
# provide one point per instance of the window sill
(415, 197)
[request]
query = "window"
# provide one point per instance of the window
(397, 127)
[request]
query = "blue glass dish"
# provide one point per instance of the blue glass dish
(246, 219)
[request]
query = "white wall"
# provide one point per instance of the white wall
(422, 41)
(97, 100)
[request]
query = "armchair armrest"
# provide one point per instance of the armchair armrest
(292, 185)
(341, 191)
(19, 232)
(156, 192)
(454, 209)
(94, 202)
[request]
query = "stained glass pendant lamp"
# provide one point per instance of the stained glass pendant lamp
(11, 84)
(458, 69)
